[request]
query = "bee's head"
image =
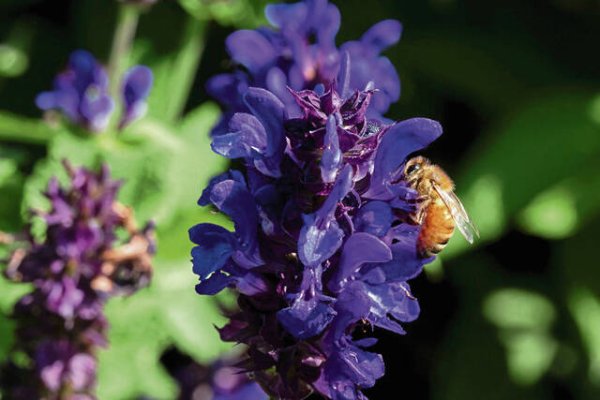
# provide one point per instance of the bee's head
(414, 167)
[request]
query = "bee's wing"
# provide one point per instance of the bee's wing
(459, 214)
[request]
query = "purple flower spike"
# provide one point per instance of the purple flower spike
(321, 247)
(324, 239)
(136, 88)
(80, 264)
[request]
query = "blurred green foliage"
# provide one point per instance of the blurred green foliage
(517, 316)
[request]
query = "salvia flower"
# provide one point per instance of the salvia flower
(323, 244)
(299, 52)
(81, 93)
(83, 261)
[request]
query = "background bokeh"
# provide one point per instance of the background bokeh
(516, 85)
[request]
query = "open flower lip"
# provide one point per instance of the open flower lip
(323, 244)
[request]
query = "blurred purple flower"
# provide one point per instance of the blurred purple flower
(81, 93)
(80, 263)
(136, 89)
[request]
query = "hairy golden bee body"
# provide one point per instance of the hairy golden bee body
(436, 229)
(439, 211)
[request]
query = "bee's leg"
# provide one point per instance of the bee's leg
(419, 200)
(422, 199)
(416, 218)
(420, 215)
(413, 219)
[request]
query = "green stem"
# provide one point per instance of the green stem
(121, 47)
(15, 128)
(184, 67)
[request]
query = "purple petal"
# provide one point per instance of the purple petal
(359, 249)
(96, 110)
(406, 263)
(351, 368)
(398, 142)
(316, 244)
(249, 391)
(321, 235)
(252, 284)
(83, 371)
(279, 14)
(392, 300)
(382, 35)
(340, 190)
(136, 88)
(251, 49)
(232, 174)
(306, 318)
(344, 75)
(352, 305)
(246, 138)
(375, 218)
(234, 199)
(332, 156)
(270, 111)
(214, 283)
(228, 88)
(215, 247)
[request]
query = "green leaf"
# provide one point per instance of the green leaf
(11, 188)
(196, 163)
(561, 210)
(11, 292)
(585, 308)
(130, 367)
(514, 308)
(226, 12)
(7, 329)
(144, 325)
(144, 161)
(167, 170)
(188, 318)
(13, 61)
(174, 65)
(14, 58)
(507, 317)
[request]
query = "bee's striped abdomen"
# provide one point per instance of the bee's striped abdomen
(436, 229)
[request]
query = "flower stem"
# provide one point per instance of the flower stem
(121, 47)
(173, 85)
(18, 129)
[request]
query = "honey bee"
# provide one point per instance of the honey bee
(439, 210)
